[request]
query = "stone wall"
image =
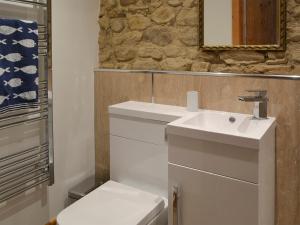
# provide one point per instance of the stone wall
(163, 34)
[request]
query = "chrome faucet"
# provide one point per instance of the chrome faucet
(260, 99)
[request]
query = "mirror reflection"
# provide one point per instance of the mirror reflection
(241, 22)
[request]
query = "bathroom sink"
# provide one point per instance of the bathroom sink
(225, 127)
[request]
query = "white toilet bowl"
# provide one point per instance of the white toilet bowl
(116, 204)
(137, 192)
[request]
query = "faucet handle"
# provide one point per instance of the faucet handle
(258, 92)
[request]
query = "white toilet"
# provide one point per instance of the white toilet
(116, 204)
(138, 189)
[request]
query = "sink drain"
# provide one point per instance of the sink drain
(232, 119)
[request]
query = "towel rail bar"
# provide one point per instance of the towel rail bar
(43, 53)
(19, 110)
(42, 96)
(23, 167)
(43, 41)
(22, 115)
(39, 155)
(44, 103)
(43, 82)
(28, 2)
(9, 157)
(42, 38)
(14, 179)
(42, 29)
(39, 164)
(43, 89)
(42, 34)
(20, 191)
(23, 122)
(20, 184)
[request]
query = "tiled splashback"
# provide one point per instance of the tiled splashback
(219, 93)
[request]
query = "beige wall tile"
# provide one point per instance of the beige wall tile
(112, 88)
(171, 89)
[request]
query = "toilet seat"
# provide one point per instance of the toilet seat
(113, 204)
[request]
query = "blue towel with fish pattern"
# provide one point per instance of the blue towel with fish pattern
(18, 64)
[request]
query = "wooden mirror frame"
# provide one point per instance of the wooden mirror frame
(278, 47)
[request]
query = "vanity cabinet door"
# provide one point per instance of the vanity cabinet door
(208, 199)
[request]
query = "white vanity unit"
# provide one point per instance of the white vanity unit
(215, 168)
(221, 169)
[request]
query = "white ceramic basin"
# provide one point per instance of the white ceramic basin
(225, 127)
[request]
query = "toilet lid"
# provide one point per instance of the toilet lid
(113, 204)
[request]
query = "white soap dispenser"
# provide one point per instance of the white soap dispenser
(192, 98)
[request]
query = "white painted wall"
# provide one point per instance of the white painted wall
(218, 22)
(75, 51)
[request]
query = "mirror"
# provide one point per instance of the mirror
(242, 24)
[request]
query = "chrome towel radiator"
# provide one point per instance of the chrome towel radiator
(31, 163)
